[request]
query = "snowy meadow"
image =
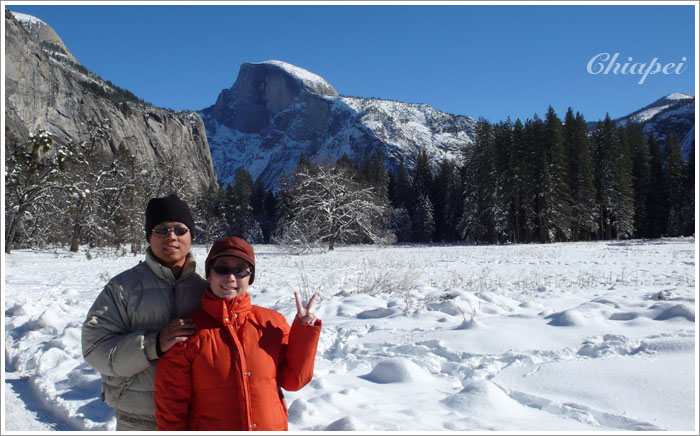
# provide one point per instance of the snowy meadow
(597, 336)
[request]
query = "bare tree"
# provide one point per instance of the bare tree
(94, 188)
(32, 170)
(329, 206)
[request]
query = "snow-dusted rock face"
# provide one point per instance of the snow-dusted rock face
(45, 89)
(276, 111)
(674, 113)
(43, 32)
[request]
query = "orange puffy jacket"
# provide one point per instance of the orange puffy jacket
(228, 375)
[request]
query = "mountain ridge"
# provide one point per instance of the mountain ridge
(250, 126)
(266, 132)
(672, 113)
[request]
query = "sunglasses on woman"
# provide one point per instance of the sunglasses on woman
(164, 231)
(239, 273)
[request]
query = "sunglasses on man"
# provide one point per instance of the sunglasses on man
(164, 231)
(239, 273)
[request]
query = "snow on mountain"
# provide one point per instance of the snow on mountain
(408, 128)
(307, 78)
(678, 96)
(661, 105)
(673, 113)
(50, 41)
(28, 21)
(275, 112)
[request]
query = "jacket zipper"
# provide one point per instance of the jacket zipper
(246, 387)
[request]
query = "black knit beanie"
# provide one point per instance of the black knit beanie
(169, 208)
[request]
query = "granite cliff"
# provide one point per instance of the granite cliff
(46, 88)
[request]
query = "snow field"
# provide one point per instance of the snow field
(556, 337)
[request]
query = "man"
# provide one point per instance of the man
(137, 317)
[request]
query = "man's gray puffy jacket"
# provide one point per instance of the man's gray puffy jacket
(119, 334)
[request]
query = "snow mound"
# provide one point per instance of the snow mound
(448, 306)
(481, 395)
(611, 344)
(469, 324)
(347, 423)
(567, 318)
(679, 310)
(396, 370)
(375, 313)
(300, 411)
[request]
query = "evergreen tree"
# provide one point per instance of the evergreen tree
(401, 225)
(657, 202)
(478, 177)
(639, 151)
(614, 181)
(623, 206)
(523, 183)
(539, 174)
(556, 205)
(453, 204)
(344, 162)
(584, 209)
(210, 216)
(423, 176)
(423, 222)
(503, 178)
(404, 194)
(674, 183)
(689, 192)
(373, 173)
(440, 186)
(241, 220)
(260, 211)
(283, 207)
(270, 206)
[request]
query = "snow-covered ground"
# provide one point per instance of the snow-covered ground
(557, 337)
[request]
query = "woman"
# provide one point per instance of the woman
(230, 373)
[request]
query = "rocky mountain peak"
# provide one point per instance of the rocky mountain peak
(263, 90)
(275, 112)
(44, 33)
(309, 81)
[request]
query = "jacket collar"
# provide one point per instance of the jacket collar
(165, 273)
(224, 312)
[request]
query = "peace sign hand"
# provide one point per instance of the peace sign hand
(304, 314)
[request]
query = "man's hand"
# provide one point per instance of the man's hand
(304, 314)
(178, 330)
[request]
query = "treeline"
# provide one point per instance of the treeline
(544, 180)
(549, 180)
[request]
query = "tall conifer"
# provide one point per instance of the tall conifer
(657, 202)
(639, 151)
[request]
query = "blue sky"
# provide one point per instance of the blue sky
(490, 61)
